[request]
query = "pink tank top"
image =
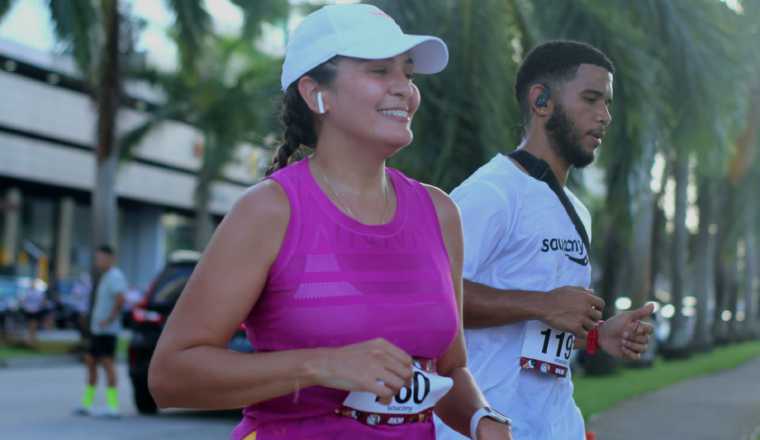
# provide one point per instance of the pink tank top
(337, 281)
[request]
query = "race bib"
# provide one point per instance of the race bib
(424, 392)
(546, 349)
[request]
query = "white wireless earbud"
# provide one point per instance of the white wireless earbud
(320, 103)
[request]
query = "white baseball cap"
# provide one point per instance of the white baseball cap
(357, 31)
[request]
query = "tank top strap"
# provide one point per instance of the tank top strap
(421, 208)
(291, 179)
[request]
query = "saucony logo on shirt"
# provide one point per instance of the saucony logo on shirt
(572, 249)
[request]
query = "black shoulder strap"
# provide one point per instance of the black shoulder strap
(540, 170)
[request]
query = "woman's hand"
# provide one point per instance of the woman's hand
(376, 366)
(492, 430)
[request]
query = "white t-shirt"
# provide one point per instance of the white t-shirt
(518, 236)
(111, 285)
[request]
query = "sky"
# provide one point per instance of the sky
(28, 23)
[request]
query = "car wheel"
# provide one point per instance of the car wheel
(143, 400)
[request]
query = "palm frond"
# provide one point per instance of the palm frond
(193, 25)
(75, 25)
(467, 112)
(258, 12)
(5, 6)
(134, 137)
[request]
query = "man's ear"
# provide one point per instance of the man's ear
(540, 99)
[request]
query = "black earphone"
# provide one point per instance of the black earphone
(543, 98)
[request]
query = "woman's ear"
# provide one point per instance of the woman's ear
(312, 95)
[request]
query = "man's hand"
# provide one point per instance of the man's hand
(625, 335)
(573, 309)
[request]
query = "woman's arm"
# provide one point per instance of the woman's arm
(192, 366)
(464, 398)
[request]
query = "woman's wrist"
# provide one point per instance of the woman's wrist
(312, 371)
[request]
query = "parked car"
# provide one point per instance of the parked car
(9, 304)
(9, 294)
(146, 321)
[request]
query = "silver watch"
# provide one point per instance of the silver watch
(490, 413)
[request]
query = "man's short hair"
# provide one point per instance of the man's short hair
(106, 249)
(553, 63)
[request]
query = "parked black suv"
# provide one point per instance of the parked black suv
(146, 320)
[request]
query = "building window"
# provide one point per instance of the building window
(179, 232)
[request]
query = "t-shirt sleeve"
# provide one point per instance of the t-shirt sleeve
(486, 224)
(118, 284)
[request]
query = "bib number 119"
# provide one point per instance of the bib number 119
(565, 342)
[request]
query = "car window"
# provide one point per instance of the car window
(170, 283)
(8, 287)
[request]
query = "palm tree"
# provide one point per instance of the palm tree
(93, 32)
(228, 95)
(669, 56)
(468, 112)
(677, 50)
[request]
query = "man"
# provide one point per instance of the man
(527, 302)
(105, 325)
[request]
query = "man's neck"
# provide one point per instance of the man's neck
(539, 147)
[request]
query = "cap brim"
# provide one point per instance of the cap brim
(429, 53)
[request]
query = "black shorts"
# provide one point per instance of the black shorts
(34, 316)
(102, 346)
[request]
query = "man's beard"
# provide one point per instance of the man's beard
(565, 139)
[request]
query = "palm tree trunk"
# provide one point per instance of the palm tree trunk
(659, 243)
(704, 269)
(677, 339)
(749, 276)
(104, 208)
(734, 326)
(106, 150)
(724, 261)
(641, 251)
(722, 295)
(202, 232)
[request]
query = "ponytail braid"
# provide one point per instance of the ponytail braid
(298, 120)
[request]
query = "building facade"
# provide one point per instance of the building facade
(47, 169)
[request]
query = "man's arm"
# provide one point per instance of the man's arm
(115, 311)
(117, 306)
(567, 308)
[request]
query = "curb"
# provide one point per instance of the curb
(39, 361)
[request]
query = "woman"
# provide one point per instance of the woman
(346, 273)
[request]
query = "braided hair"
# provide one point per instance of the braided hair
(298, 120)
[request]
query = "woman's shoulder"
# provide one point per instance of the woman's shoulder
(264, 202)
(444, 206)
(447, 210)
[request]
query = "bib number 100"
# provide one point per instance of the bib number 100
(565, 342)
(418, 392)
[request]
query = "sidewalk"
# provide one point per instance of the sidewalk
(722, 406)
(50, 360)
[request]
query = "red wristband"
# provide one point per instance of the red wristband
(592, 339)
